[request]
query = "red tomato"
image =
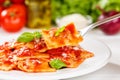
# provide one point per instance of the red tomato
(1, 9)
(2, 1)
(13, 18)
(0, 16)
(18, 1)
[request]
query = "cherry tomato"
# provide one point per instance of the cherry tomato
(18, 1)
(13, 18)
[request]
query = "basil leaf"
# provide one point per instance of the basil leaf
(61, 29)
(37, 34)
(25, 37)
(57, 64)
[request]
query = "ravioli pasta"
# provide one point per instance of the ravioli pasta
(69, 37)
(36, 55)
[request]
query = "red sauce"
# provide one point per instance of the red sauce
(64, 53)
(7, 62)
(22, 52)
(26, 51)
(71, 28)
(39, 45)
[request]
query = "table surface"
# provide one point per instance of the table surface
(109, 72)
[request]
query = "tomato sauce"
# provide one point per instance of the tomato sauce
(65, 53)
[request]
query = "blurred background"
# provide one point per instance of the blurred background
(38, 14)
(18, 16)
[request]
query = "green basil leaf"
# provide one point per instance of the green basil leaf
(25, 37)
(37, 34)
(61, 29)
(57, 64)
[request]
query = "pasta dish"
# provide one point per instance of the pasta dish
(44, 51)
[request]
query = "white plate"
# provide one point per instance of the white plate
(102, 55)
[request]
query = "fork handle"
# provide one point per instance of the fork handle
(98, 23)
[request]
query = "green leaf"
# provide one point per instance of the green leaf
(61, 29)
(25, 37)
(37, 34)
(57, 64)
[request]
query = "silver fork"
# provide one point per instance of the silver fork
(98, 23)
